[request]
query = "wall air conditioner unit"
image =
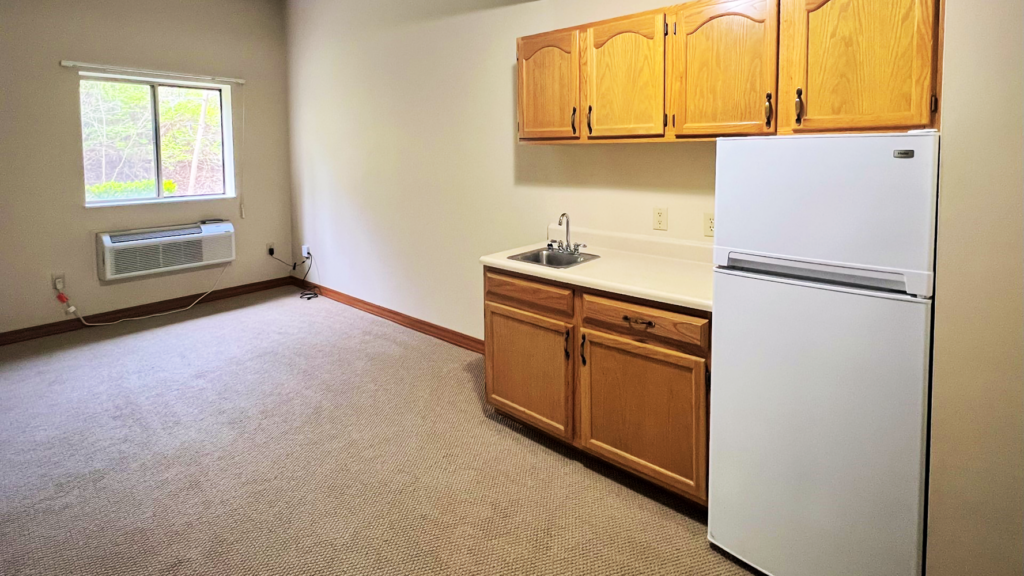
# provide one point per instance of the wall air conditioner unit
(132, 253)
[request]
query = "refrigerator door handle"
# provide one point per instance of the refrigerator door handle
(816, 271)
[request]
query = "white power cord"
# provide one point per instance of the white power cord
(72, 310)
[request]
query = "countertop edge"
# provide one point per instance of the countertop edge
(557, 275)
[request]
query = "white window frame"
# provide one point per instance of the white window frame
(227, 138)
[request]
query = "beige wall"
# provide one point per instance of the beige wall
(406, 165)
(44, 226)
(976, 520)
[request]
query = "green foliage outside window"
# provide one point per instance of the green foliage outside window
(135, 189)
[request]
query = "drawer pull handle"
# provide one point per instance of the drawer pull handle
(638, 321)
(583, 350)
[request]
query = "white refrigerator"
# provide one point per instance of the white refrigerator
(821, 340)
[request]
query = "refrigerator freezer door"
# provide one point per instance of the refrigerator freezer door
(863, 201)
(818, 415)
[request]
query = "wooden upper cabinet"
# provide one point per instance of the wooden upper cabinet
(528, 365)
(857, 64)
(724, 63)
(733, 67)
(624, 84)
(549, 87)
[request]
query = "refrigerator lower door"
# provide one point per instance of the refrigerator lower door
(818, 421)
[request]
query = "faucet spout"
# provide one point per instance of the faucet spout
(565, 216)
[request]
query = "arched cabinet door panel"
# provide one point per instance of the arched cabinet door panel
(625, 77)
(856, 64)
(549, 85)
(724, 64)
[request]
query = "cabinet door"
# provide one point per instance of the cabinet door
(725, 67)
(856, 64)
(549, 87)
(644, 408)
(625, 77)
(529, 367)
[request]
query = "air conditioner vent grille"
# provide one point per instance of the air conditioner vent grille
(135, 236)
(155, 256)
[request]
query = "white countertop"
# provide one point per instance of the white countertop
(662, 277)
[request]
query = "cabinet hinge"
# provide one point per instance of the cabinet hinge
(666, 28)
(673, 120)
(666, 120)
(674, 31)
(935, 103)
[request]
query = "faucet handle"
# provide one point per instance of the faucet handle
(576, 247)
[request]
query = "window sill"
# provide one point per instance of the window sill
(160, 201)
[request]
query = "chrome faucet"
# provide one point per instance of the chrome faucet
(569, 246)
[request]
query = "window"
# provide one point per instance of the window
(146, 140)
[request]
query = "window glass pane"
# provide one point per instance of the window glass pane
(117, 140)
(191, 146)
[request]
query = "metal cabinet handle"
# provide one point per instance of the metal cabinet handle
(638, 321)
(590, 113)
(799, 106)
(583, 350)
(768, 110)
(567, 344)
(574, 120)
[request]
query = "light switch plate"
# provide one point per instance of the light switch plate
(661, 218)
(709, 224)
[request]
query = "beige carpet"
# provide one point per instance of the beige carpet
(270, 435)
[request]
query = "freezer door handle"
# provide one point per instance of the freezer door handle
(877, 279)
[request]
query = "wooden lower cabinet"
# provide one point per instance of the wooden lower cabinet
(644, 408)
(529, 367)
(620, 379)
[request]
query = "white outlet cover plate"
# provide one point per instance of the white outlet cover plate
(661, 218)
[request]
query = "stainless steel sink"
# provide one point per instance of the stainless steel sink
(553, 258)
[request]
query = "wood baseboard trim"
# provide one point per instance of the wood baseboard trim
(73, 324)
(441, 333)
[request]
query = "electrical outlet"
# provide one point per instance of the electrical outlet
(305, 251)
(709, 224)
(57, 281)
(661, 218)
(270, 249)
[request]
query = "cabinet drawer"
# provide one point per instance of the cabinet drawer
(646, 324)
(527, 295)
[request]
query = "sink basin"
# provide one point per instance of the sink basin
(553, 258)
